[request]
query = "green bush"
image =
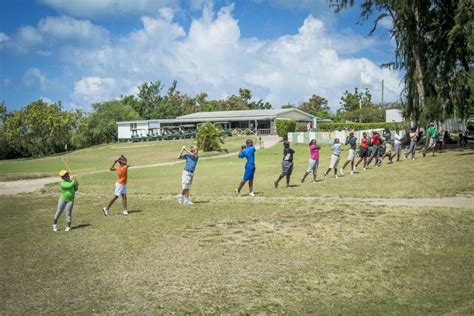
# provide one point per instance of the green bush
(331, 126)
(210, 137)
(284, 127)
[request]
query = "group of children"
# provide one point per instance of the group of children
(70, 185)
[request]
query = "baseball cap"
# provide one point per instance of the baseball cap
(63, 172)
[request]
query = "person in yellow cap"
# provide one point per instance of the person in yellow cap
(69, 186)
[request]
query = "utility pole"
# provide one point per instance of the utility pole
(360, 97)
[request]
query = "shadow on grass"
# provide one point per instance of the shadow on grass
(134, 211)
(293, 185)
(80, 226)
(465, 154)
(201, 202)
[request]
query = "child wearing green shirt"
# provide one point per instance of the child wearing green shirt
(66, 199)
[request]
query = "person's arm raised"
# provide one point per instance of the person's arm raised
(113, 165)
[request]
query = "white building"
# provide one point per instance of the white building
(258, 121)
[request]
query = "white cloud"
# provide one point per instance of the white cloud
(67, 28)
(34, 79)
(3, 37)
(90, 90)
(53, 31)
(46, 99)
(213, 57)
(94, 8)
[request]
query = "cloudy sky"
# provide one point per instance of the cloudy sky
(86, 51)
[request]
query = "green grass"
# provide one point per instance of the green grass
(101, 157)
(281, 252)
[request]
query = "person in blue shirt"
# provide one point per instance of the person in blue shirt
(191, 157)
(248, 152)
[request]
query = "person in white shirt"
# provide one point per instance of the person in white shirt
(336, 153)
(397, 144)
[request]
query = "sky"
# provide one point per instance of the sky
(81, 52)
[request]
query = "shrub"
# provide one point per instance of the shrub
(331, 126)
(210, 137)
(284, 127)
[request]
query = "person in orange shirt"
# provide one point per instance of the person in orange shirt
(120, 185)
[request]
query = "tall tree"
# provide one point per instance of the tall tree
(316, 105)
(40, 128)
(433, 45)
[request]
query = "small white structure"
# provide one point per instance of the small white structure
(394, 115)
(260, 122)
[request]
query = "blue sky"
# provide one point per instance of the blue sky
(86, 51)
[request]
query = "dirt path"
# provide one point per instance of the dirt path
(32, 185)
(25, 186)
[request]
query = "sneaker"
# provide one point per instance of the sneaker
(106, 211)
(352, 173)
(125, 212)
(341, 171)
(236, 191)
(406, 157)
(335, 176)
(251, 194)
(424, 154)
(68, 229)
(325, 175)
(55, 227)
(355, 168)
(413, 158)
(180, 198)
(302, 180)
(365, 169)
(314, 181)
(275, 184)
(188, 202)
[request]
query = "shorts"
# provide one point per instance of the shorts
(364, 152)
(398, 148)
(312, 165)
(120, 189)
(334, 162)
(249, 173)
(286, 168)
(388, 148)
(432, 142)
(351, 155)
(187, 179)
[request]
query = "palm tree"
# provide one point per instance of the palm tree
(210, 137)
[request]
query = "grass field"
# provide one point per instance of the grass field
(311, 248)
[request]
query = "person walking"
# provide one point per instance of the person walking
(313, 160)
(286, 164)
(352, 142)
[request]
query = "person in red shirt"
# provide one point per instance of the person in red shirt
(364, 150)
(375, 149)
(120, 185)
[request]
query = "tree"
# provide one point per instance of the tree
(40, 128)
(101, 125)
(210, 137)
(433, 45)
(316, 105)
(285, 126)
(289, 105)
(356, 100)
(6, 149)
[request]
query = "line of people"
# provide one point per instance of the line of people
(370, 149)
